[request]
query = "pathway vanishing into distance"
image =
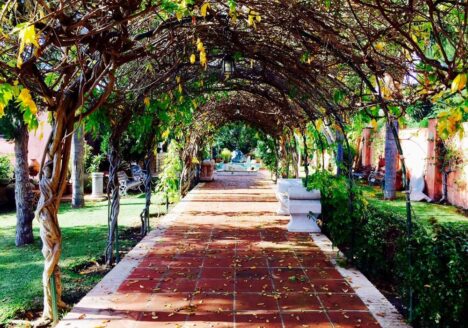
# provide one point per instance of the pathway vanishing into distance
(223, 258)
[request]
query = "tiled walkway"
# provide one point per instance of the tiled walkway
(227, 261)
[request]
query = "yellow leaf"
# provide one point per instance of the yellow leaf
(146, 101)
(165, 134)
(179, 16)
(27, 36)
(250, 21)
(203, 58)
(200, 46)
(374, 124)
(204, 9)
(178, 79)
(180, 88)
(193, 59)
(380, 46)
(258, 18)
(27, 101)
(459, 82)
(2, 109)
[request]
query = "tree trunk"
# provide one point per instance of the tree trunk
(339, 153)
(23, 193)
(114, 204)
(391, 161)
(144, 216)
(52, 184)
(77, 168)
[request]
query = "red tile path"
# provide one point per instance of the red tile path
(228, 261)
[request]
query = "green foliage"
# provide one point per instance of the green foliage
(95, 163)
(6, 168)
(168, 184)
(266, 152)
(381, 251)
(237, 136)
(226, 155)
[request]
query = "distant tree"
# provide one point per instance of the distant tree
(14, 128)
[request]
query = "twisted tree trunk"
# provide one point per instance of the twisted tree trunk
(77, 168)
(391, 161)
(52, 184)
(23, 192)
(144, 216)
(114, 203)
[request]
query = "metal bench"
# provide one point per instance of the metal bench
(126, 183)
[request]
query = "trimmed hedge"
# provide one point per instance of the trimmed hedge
(439, 251)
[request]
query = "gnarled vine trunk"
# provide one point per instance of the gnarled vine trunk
(144, 216)
(114, 203)
(391, 161)
(23, 192)
(77, 168)
(52, 184)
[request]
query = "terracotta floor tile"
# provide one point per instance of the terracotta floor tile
(298, 301)
(252, 273)
(217, 273)
(256, 302)
(306, 320)
(209, 302)
(332, 286)
(254, 285)
(138, 286)
(216, 285)
(169, 302)
(348, 319)
(258, 320)
(176, 285)
(182, 273)
(148, 273)
(342, 302)
(211, 320)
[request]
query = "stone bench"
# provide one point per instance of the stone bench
(303, 206)
(282, 193)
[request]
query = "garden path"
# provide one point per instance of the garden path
(224, 259)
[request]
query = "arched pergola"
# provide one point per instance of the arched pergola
(294, 61)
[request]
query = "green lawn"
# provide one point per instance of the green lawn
(84, 238)
(422, 210)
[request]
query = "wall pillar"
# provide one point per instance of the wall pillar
(367, 147)
(433, 169)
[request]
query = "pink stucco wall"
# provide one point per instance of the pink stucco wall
(37, 142)
(419, 150)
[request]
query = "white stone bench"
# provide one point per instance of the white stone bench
(304, 207)
(282, 193)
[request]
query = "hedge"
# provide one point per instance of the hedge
(438, 275)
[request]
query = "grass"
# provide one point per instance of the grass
(422, 210)
(84, 233)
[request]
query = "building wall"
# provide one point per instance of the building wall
(37, 142)
(419, 149)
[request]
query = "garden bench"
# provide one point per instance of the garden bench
(302, 205)
(126, 183)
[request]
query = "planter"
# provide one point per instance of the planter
(97, 184)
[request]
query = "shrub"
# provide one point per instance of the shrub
(226, 155)
(439, 252)
(6, 168)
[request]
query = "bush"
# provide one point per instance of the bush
(6, 168)
(439, 252)
(226, 155)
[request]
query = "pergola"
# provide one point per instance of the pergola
(295, 61)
